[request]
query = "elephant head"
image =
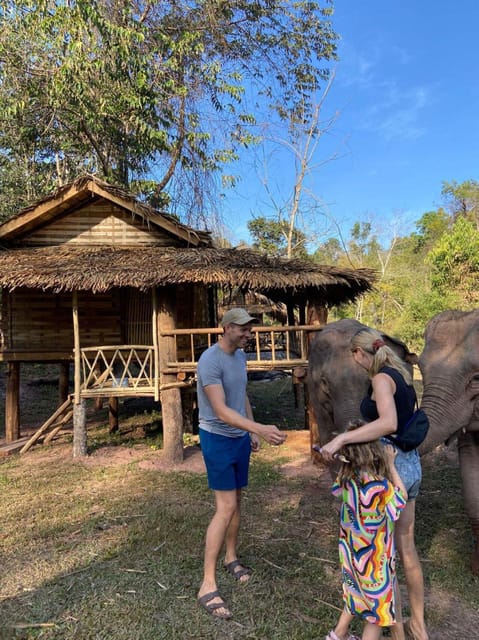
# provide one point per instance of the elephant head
(449, 366)
(336, 383)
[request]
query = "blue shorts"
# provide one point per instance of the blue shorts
(408, 465)
(226, 460)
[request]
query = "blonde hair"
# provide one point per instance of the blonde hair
(372, 342)
(363, 457)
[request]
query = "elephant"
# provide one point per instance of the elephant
(449, 365)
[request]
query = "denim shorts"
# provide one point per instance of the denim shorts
(408, 465)
(226, 460)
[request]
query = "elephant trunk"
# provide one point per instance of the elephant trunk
(444, 416)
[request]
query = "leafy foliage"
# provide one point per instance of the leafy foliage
(134, 89)
(433, 269)
(455, 264)
(271, 237)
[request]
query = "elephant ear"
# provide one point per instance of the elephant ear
(401, 349)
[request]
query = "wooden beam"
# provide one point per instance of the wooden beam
(154, 324)
(76, 342)
(171, 412)
(64, 381)
(79, 430)
(12, 402)
(46, 210)
(51, 420)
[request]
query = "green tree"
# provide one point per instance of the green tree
(454, 265)
(273, 236)
(139, 89)
(462, 200)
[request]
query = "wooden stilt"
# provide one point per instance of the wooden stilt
(171, 412)
(79, 430)
(113, 424)
(12, 403)
(64, 382)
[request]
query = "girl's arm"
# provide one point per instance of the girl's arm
(383, 391)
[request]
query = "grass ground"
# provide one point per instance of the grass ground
(110, 548)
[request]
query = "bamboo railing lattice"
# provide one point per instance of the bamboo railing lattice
(123, 369)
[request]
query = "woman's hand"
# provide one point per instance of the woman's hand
(329, 450)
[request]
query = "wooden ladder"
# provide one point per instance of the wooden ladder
(52, 426)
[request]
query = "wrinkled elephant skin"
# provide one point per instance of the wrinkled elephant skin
(449, 366)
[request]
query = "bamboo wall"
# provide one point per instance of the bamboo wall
(99, 223)
(39, 324)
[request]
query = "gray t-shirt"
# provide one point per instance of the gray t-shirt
(229, 370)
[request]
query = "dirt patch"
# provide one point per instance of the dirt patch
(293, 458)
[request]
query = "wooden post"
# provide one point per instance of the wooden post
(76, 342)
(79, 408)
(12, 403)
(63, 382)
(79, 430)
(171, 412)
(154, 325)
(317, 314)
(113, 414)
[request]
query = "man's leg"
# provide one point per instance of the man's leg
(404, 537)
(231, 540)
(226, 507)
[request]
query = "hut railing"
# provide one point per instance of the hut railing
(129, 370)
(274, 347)
(120, 369)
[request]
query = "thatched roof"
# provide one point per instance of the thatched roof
(85, 189)
(97, 269)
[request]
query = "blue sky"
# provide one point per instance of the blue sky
(406, 94)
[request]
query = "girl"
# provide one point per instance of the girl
(372, 496)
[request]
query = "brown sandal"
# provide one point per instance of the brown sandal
(238, 570)
(212, 607)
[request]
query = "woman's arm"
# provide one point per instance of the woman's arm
(383, 391)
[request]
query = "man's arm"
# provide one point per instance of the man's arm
(216, 397)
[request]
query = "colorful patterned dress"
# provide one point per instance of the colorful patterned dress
(366, 546)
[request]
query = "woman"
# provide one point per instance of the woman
(389, 404)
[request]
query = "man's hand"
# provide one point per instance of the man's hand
(272, 434)
(255, 442)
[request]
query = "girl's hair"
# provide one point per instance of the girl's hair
(371, 341)
(367, 457)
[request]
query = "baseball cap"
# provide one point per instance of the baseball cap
(237, 316)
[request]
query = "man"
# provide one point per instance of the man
(228, 434)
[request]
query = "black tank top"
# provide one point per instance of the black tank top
(404, 399)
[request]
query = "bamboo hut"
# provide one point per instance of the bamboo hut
(92, 277)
